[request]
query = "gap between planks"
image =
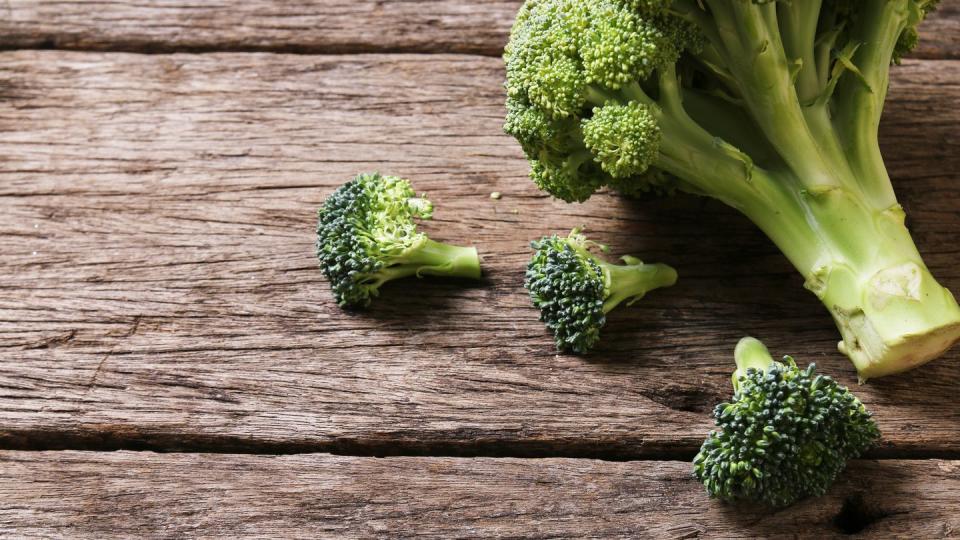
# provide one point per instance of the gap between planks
(178, 443)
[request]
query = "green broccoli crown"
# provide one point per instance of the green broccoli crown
(574, 290)
(584, 78)
(786, 435)
(566, 59)
(567, 285)
(366, 236)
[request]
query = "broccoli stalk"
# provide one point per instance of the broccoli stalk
(786, 435)
(632, 280)
(575, 290)
(431, 258)
(750, 354)
(769, 107)
(367, 236)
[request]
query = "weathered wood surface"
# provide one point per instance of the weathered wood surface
(92, 494)
(313, 26)
(316, 26)
(159, 285)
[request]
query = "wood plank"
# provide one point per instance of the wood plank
(89, 494)
(318, 26)
(314, 26)
(160, 289)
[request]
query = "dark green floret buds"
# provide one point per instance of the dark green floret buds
(786, 434)
(367, 236)
(574, 290)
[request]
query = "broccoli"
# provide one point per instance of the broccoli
(575, 290)
(366, 236)
(769, 107)
(786, 435)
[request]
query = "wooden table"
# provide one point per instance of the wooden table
(173, 365)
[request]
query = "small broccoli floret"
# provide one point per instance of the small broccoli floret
(770, 107)
(785, 436)
(574, 290)
(574, 177)
(366, 236)
(624, 139)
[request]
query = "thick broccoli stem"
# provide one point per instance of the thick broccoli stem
(863, 265)
(750, 354)
(433, 258)
(892, 313)
(630, 282)
(859, 260)
(838, 224)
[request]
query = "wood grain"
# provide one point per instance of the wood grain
(93, 495)
(306, 26)
(314, 26)
(160, 289)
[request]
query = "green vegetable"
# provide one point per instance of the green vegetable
(769, 107)
(366, 236)
(574, 290)
(786, 435)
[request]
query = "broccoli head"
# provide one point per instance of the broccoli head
(367, 236)
(770, 107)
(574, 290)
(786, 435)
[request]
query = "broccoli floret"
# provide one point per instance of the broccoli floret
(366, 236)
(574, 290)
(785, 436)
(770, 107)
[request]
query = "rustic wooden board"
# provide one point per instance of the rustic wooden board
(92, 494)
(317, 26)
(159, 285)
(313, 26)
